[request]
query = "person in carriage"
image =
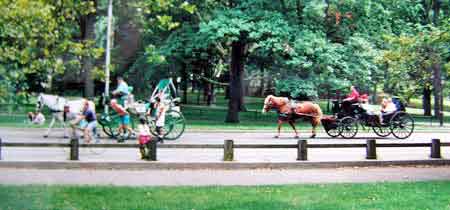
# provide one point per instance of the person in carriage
(351, 99)
(364, 99)
(387, 108)
(122, 91)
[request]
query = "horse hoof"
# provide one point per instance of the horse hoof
(45, 136)
(276, 137)
(313, 136)
(296, 137)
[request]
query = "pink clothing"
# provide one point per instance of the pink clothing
(144, 139)
(119, 109)
(144, 134)
(354, 96)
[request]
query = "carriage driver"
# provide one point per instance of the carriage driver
(121, 91)
(352, 98)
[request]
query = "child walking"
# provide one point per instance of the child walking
(144, 137)
(160, 118)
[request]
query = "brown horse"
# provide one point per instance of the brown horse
(290, 112)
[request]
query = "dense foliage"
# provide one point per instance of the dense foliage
(38, 39)
(313, 48)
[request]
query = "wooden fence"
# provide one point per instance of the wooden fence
(228, 147)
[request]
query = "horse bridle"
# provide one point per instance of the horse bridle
(269, 104)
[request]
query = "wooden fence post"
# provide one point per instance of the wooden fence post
(0, 148)
(228, 151)
(302, 150)
(371, 149)
(74, 148)
(152, 149)
(435, 148)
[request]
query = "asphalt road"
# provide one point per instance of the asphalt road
(218, 177)
(221, 177)
(216, 155)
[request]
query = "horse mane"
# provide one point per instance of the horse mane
(283, 100)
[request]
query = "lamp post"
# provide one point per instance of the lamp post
(108, 51)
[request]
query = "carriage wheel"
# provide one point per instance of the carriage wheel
(402, 125)
(174, 125)
(381, 131)
(334, 131)
(109, 125)
(348, 127)
(152, 126)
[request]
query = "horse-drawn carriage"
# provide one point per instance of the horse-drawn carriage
(347, 120)
(174, 124)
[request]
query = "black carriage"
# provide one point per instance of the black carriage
(349, 117)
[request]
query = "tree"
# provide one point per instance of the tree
(244, 28)
(37, 39)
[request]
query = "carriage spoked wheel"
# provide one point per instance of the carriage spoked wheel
(348, 127)
(173, 127)
(401, 125)
(110, 125)
(334, 131)
(382, 130)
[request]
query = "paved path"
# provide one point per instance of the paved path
(216, 155)
(221, 177)
(257, 137)
(218, 177)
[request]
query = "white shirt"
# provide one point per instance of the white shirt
(390, 107)
(39, 119)
(160, 114)
(143, 130)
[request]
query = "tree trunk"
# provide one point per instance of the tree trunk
(437, 87)
(436, 9)
(263, 74)
(374, 94)
(213, 95)
(426, 12)
(236, 81)
(300, 11)
(185, 81)
(426, 101)
(88, 63)
(283, 7)
(328, 99)
(386, 78)
(437, 71)
(199, 90)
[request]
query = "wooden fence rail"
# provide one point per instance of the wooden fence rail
(228, 147)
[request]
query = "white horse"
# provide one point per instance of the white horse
(60, 109)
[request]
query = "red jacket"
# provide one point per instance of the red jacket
(353, 96)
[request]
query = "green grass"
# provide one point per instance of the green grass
(417, 103)
(385, 196)
(201, 117)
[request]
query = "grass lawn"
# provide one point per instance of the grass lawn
(385, 196)
(201, 117)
